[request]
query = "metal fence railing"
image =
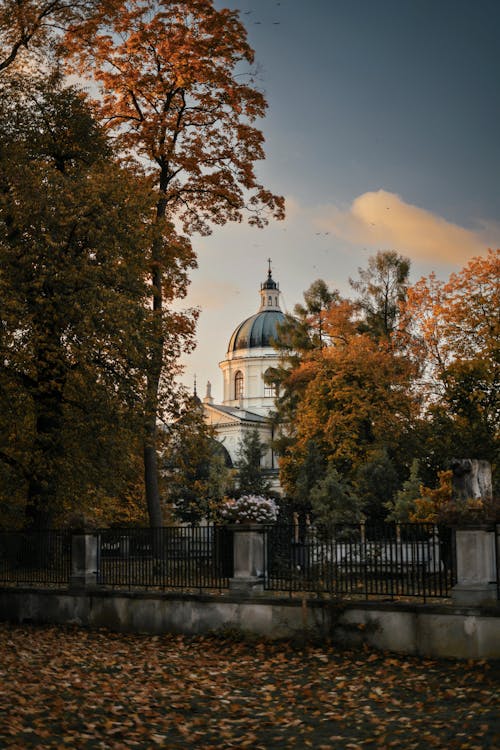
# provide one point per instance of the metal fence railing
(382, 561)
(35, 557)
(194, 557)
(497, 557)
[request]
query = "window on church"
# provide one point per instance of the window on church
(269, 300)
(269, 388)
(238, 385)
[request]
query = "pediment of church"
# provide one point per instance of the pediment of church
(216, 414)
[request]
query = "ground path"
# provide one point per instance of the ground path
(74, 688)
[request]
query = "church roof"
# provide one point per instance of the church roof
(257, 331)
(241, 414)
(261, 329)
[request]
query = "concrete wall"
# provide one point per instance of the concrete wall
(427, 630)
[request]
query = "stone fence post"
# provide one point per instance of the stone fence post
(249, 556)
(476, 565)
(84, 559)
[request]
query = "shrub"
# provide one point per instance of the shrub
(249, 509)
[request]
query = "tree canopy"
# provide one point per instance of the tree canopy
(75, 222)
(177, 105)
(172, 88)
(403, 376)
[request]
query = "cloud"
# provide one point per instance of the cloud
(384, 220)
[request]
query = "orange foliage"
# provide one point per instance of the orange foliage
(167, 75)
(454, 321)
(439, 506)
(355, 396)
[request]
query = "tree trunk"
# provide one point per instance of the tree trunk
(47, 450)
(46, 457)
(153, 500)
(151, 476)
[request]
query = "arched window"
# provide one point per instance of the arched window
(238, 385)
(269, 388)
(269, 300)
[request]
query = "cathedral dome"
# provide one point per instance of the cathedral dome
(260, 329)
(257, 331)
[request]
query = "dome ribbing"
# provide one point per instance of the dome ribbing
(261, 329)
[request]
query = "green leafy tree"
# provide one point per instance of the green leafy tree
(172, 81)
(376, 482)
(382, 288)
(251, 479)
(299, 336)
(75, 220)
(310, 317)
(402, 507)
(195, 467)
(334, 502)
(307, 474)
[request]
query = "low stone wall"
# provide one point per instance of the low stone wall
(442, 631)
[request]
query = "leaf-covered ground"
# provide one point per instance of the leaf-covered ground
(73, 688)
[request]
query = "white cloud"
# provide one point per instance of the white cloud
(382, 219)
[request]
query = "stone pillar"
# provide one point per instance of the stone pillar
(249, 558)
(476, 565)
(84, 566)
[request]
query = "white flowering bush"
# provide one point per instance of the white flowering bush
(249, 509)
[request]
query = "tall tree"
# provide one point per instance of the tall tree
(382, 288)
(311, 316)
(172, 86)
(334, 502)
(452, 329)
(251, 479)
(30, 29)
(376, 483)
(194, 466)
(355, 399)
(76, 221)
(299, 336)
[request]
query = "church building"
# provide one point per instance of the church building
(248, 400)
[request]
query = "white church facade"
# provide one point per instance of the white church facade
(247, 399)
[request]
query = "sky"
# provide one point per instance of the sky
(382, 133)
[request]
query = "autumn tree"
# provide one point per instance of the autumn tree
(172, 85)
(76, 223)
(355, 400)
(32, 30)
(299, 336)
(452, 330)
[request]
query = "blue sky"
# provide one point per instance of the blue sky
(382, 132)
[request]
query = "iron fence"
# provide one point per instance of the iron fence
(497, 557)
(194, 557)
(35, 557)
(382, 561)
